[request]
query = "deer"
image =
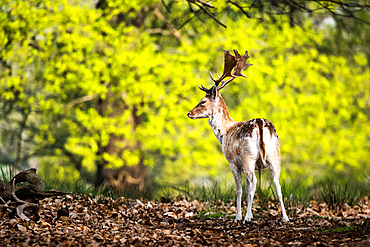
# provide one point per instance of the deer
(247, 145)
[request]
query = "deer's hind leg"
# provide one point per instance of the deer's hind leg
(250, 186)
(275, 166)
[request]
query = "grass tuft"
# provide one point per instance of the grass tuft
(341, 229)
(206, 191)
(335, 192)
(6, 172)
(213, 213)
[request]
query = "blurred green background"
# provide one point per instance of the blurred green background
(97, 92)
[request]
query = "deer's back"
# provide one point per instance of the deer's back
(244, 139)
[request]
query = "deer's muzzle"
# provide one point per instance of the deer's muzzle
(190, 116)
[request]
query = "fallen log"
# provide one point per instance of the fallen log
(24, 197)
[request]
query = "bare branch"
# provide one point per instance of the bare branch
(187, 21)
(166, 7)
(210, 15)
(349, 15)
(202, 2)
(343, 9)
(240, 8)
(173, 30)
(80, 100)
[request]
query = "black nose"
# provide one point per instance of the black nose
(188, 114)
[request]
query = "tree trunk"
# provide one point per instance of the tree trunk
(132, 179)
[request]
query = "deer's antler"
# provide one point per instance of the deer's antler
(230, 62)
(237, 62)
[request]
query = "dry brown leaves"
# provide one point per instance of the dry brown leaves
(82, 221)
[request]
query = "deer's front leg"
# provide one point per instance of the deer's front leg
(250, 187)
(239, 190)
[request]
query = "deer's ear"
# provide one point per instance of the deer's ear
(213, 93)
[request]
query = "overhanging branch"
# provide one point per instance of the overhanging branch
(251, 8)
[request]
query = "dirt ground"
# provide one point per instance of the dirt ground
(82, 221)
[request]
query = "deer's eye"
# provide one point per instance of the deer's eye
(202, 102)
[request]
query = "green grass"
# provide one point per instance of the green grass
(331, 190)
(336, 192)
(6, 172)
(339, 230)
(207, 191)
(296, 193)
(212, 213)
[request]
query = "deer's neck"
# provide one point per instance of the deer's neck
(220, 120)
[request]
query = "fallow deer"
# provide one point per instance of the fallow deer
(247, 146)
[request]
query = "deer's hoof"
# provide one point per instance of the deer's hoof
(248, 218)
(285, 219)
(238, 218)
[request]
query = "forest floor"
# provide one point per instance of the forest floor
(75, 220)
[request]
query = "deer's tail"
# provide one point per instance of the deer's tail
(262, 153)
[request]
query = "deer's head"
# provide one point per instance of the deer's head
(233, 67)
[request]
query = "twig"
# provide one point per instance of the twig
(1, 199)
(210, 15)
(342, 15)
(166, 7)
(240, 8)
(187, 21)
(206, 4)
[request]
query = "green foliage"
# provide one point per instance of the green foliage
(84, 86)
(318, 103)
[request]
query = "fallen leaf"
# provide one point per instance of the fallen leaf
(22, 228)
